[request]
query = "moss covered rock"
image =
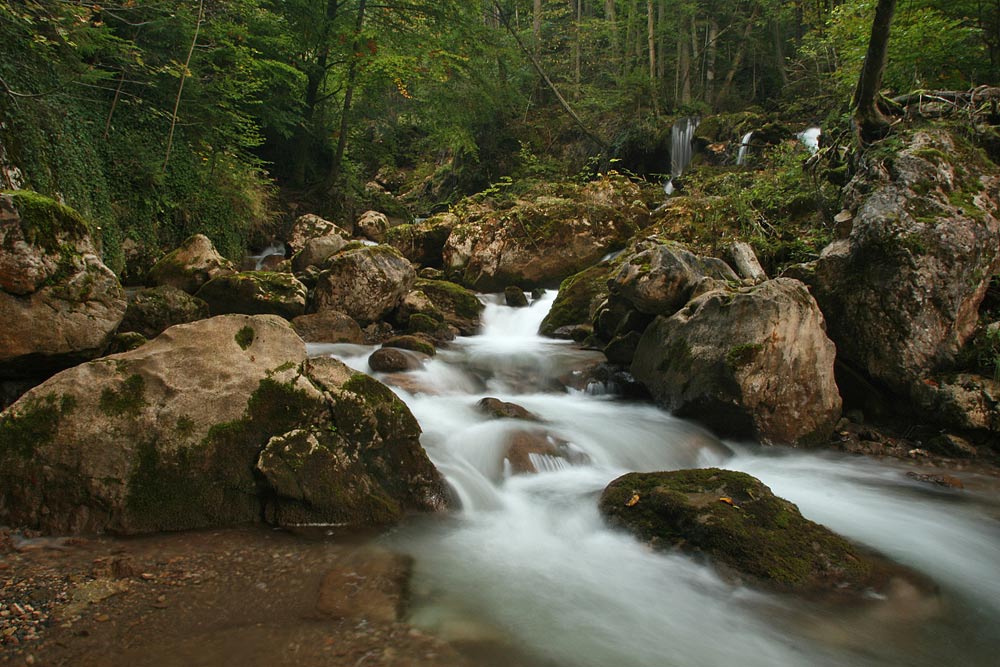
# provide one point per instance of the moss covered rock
(310, 226)
(59, 303)
(255, 293)
(154, 309)
(540, 242)
(423, 242)
(578, 298)
(190, 266)
(458, 306)
(735, 521)
(902, 292)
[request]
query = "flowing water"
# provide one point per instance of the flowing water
(528, 562)
(681, 149)
(741, 158)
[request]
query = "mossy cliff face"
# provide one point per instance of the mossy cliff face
(540, 242)
(737, 523)
(169, 436)
(901, 292)
(59, 303)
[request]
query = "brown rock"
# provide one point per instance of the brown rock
(329, 326)
(191, 265)
(367, 283)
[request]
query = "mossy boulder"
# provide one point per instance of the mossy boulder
(366, 283)
(395, 360)
(458, 306)
(190, 266)
(59, 303)
(414, 343)
(578, 298)
(423, 242)
(749, 362)
(154, 309)
(737, 523)
(169, 436)
(255, 293)
(540, 242)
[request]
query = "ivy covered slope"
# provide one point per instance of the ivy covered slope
(168, 437)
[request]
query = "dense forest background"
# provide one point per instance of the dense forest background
(160, 119)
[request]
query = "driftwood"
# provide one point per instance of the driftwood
(980, 100)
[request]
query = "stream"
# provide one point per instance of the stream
(528, 562)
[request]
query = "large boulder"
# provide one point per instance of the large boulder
(255, 293)
(749, 362)
(740, 525)
(201, 427)
(540, 242)
(310, 226)
(901, 293)
(423, 242)
(154, 309)
(59, 303)
(365, 283)
(190, 266)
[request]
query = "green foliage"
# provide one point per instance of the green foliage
(928, 49)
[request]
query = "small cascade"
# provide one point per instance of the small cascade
(744, 148)
(810, 139)
(275, 249)
(681, 149)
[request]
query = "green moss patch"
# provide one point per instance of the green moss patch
(128, 399)
(245, 337)
(45, 222)
(32, 423)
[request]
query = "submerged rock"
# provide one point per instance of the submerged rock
(190, 266)
(211, 424)
(738, 523)
(498, 409)
(394, 360)
(515, 297)
(753, 362)
(59, 304)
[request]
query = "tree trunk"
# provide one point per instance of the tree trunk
(738, 58)
(184, 75)
(536, 26)
(710, 57)
(651, 40)
(352, 79)
(870, 122)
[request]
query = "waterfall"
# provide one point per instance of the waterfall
(681, 149)
(810, 139)
(744, 147)
(273, 249)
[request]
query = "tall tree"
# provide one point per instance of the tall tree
(870, 122)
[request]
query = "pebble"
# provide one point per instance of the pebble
(102, 618)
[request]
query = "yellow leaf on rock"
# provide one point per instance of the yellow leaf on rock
(633, 501)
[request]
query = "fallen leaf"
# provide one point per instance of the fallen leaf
(633, 501)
